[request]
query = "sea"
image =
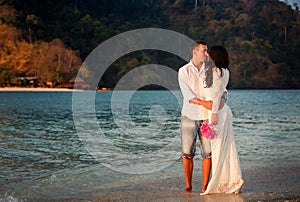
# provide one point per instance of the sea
(55, 144)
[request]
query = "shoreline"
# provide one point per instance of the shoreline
(37, 89)
(44, 89)
(263, 183)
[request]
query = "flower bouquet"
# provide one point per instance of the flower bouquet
(208, 131)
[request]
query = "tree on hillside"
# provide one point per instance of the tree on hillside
(53, 62)
(262, 37)
(48, 61)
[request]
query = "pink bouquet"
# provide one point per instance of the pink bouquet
(207, 130)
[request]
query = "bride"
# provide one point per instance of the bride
(226, 174)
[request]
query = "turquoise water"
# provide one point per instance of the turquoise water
(44, 152)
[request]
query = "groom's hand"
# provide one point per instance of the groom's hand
(207, 104)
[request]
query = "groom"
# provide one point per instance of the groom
(191, 78)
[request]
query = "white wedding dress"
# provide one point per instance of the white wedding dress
(226, 176)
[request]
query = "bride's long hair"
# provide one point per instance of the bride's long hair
(220, 57)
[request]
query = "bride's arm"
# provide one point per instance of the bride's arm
(217, 93)
(207, 104)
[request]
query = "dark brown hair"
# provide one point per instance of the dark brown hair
(220, 57)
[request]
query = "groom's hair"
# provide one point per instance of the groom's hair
(195, 44)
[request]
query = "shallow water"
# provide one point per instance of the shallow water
(126, 137)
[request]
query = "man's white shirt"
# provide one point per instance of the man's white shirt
(191, 85)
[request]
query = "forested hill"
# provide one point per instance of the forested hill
(49, 39)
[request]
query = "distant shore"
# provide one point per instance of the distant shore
(38, 89)
(41, 89)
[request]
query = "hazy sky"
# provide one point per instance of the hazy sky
(291, 2)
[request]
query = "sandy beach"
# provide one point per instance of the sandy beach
(38, 89)
(261, 184)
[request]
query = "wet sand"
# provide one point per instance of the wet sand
(279, 183)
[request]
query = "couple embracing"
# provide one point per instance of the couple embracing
(203, 84)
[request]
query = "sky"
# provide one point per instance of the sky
(291, 2)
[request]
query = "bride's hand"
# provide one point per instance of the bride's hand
(214, 118)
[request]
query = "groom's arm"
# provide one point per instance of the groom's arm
(205, 103)
(184, 87)
(208, 104)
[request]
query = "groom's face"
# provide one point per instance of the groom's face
(201, 52)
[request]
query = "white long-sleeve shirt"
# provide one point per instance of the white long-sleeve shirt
(191, 86)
